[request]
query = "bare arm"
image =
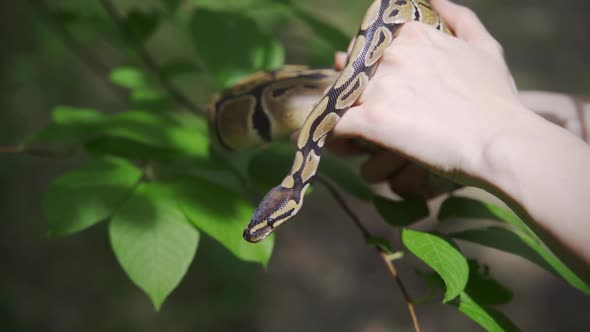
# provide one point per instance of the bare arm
(450, 104)
(545, 170)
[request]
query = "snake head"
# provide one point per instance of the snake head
(278, 206)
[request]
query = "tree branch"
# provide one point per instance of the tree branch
(38, 152)
(84, 54)
(367, 236)
(9, 149)
(147, 59)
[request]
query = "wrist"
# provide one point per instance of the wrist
(510, 141)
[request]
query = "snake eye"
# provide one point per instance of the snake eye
(270, 221)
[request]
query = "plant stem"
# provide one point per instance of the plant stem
(147, 59)
(9, 149)
(38, 152)
(402, 287)
(367, 236)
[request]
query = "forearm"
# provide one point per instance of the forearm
(545, 171)
(566, 110)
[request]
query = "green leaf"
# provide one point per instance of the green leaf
(337, 39)
(491, 320)
(64, 16)
(141, 24)
(70, 125)
(328, 38)
(401, 213)
(483, 288)
(153, 241)
(87, 196)
(166, 133)
(522, 244)
(178, 67)
(432, 279)
(237, 48)
(129, 77)
(442, 257)
(183, 133)
(232, 4)
(321, 54)
(127, 148)
(172, 5)
(480, 286)
(456, 207)
(269, 166)
(273, 57)
(147, 99)
(221, 214)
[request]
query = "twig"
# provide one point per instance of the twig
(402, 287)
(85, 55)
(367, 236)
(38, 152)
(147, 59)
(355, 219)
(9, 149)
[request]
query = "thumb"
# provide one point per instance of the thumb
(340, 59)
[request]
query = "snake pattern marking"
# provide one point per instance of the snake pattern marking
(273, 104)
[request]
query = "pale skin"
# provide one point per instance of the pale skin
(450, 105)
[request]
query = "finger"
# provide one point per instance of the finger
(350, 45)
(382, 166)
(294, 136)
(340, 59)
(411, 181)
(345, 147)
(465, 24)
(415, 31)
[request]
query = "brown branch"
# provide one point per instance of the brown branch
(9, 149)
(147, 59)
(367, 236)
(38, 151)
(402, 287)
(355, 219)
(83, 53)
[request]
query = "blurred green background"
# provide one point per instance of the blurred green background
(321, 277)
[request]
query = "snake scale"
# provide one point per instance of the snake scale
(272, 104)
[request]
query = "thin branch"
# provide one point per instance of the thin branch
(9, 149)
(355, 219)
(367, 236)
(87, 56)
(402, 287)
(147, 59)
(38, 151)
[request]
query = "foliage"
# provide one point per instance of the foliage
(155, 177)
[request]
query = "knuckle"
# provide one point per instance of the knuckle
(414, 30)
(466, 14)
(497, 47)
(492, 46)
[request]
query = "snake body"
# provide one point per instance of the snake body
(237, 129)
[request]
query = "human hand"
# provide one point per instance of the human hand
(436, 99)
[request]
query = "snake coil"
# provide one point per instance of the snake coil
(378, 29)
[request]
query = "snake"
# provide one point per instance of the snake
(272, 104)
